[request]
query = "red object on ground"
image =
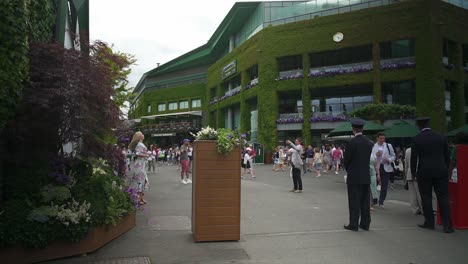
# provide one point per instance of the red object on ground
(458, 192)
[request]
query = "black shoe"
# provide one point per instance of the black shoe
(363, 227)
(426, 226)
(448, 230)
(374, 201)
(348, 227)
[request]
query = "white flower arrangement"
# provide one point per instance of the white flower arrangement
(206, 133)
(73, 212)
(227, 139)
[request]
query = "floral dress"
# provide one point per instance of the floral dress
(138, 169)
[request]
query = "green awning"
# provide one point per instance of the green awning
(401, 129)
(345, 129)
(460, 129)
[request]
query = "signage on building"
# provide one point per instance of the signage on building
(229, 69)
(164, 135)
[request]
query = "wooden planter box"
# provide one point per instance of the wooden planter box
(95, 239)
(216, 193)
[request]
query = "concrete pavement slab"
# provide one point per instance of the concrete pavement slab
(281, 227)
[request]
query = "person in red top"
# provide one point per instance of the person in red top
(337, 156)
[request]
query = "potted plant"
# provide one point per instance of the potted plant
(216, 189)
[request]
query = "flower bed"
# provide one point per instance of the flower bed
(214, 100)
(95, 239)
(397, 66)
(290, 77)
(252, 84)
(230, 93)
(329, 118)
(289, 120)
(328, 73)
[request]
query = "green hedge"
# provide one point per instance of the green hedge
(384, 112)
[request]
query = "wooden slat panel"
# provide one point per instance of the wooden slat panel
(219, 192)
(220, 183)
(218, 211)
(213, 155)
(219, 202)
(219, 174)
(220, 220)
(204, 145)
(218, 230)
(218, 165)
(216, 205)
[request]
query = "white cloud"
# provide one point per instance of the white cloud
(155, 31)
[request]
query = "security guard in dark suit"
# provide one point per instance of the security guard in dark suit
(430, 164)
(356, 162)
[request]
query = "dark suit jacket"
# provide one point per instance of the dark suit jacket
(430, 155)
(356, 160)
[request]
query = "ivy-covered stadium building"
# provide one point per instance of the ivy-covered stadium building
(267, 59)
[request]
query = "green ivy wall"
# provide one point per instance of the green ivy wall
(21, 22)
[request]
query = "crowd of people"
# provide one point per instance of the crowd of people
(370, 169)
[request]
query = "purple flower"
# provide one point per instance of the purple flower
(397, 66)
(289, 120)
(357, 69)
(229, 136)
(328, 118)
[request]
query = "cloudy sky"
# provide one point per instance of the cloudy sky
(155, 31)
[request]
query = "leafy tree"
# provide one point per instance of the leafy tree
(118, 64)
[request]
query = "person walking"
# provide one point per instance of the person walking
(310, 156)
(375, 179)
(317, 160)
(151, 158)
(414, 195)
(337, 155)
(385, 158)
(356, 163)
(430, 161)
(327, 158)
(281, 159)
(296, 163)
(138, 167)
(184, 162)
(247, 161)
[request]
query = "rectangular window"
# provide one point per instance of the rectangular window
(402, 93)
(196, 103)
(183, 104)
(465, 56)
(213, 92)
(173, 106)
(161, 107)
(290, 63)
(341, 56)
(148, 108)
(397, 49)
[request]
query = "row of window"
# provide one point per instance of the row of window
(327, 100)
(175, 106)
(388, 50)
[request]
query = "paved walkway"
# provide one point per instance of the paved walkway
(279, 227)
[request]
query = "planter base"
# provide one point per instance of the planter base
(95, 239)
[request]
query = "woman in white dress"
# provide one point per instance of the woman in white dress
(138, 166)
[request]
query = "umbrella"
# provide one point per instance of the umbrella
(401, 129)
(345, 129)
(460, 129)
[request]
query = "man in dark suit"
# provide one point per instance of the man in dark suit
(356, 162)
(429, 163)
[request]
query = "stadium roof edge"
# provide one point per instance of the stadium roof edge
(199, 56)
